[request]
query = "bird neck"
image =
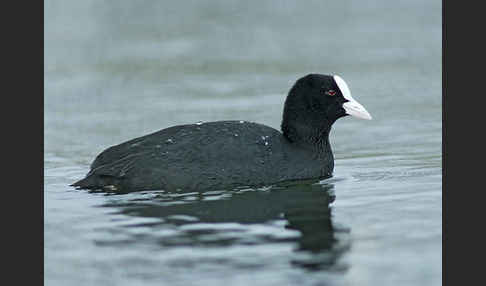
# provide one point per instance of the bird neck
(307, 137)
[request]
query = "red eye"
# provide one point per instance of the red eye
(331, 92)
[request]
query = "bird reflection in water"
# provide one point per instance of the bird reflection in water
(222, 218)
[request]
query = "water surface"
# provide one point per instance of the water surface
(115, 71)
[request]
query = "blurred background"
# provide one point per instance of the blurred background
(115, 70)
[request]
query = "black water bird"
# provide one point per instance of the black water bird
(228, 154)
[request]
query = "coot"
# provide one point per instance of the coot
(228, 154)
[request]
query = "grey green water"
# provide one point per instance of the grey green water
(115, 70)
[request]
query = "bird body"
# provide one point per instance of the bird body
(227, 154)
